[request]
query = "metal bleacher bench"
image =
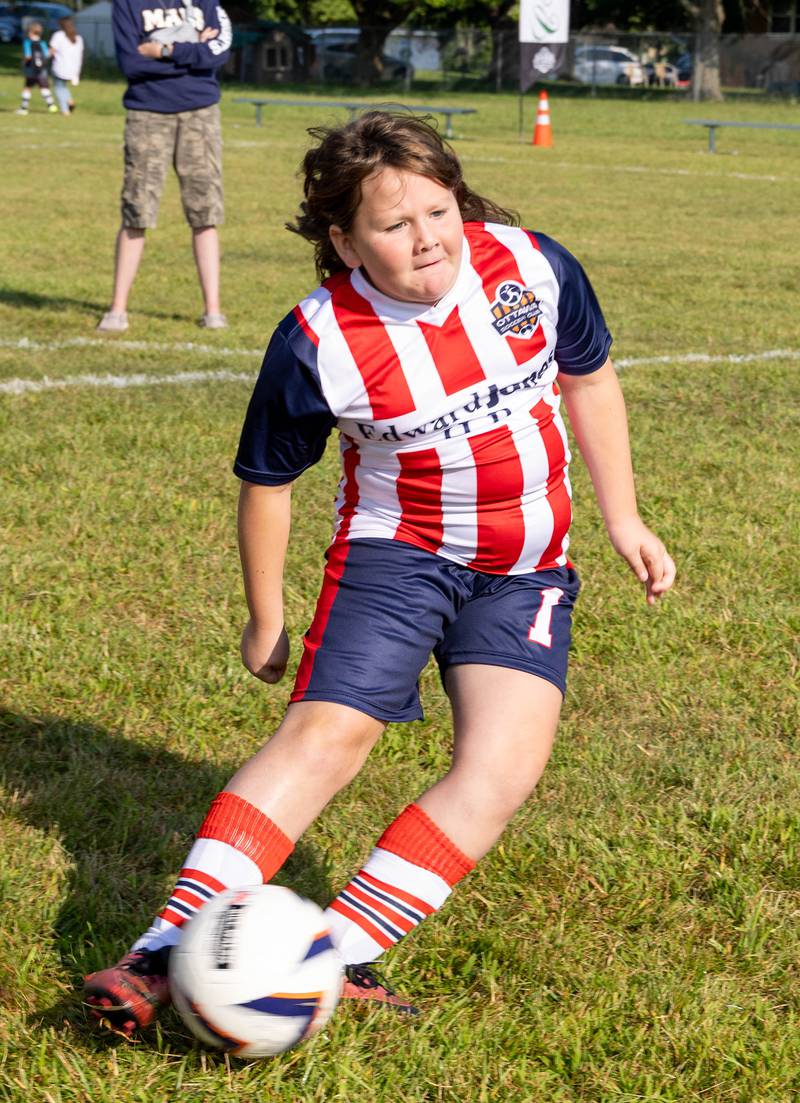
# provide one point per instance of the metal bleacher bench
(354, 106)
(712, 125)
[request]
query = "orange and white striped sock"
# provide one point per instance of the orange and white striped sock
(236, 845)
(408, 876)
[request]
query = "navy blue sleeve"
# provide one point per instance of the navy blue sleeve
(288, 420)
(582, 339)
(207, 55)
(130, 29)
(128, 33)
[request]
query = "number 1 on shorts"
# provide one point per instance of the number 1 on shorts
(539, 631)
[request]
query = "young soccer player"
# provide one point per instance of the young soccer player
(66, 50)
(439, 344)
(35, 59)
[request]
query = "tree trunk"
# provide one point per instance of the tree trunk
(709, 16)
(375, 21)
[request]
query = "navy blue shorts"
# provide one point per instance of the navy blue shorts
(386, 606)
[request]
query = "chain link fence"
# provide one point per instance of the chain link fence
(484, 59)
(489, 59)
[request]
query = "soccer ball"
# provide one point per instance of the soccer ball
(255, 972)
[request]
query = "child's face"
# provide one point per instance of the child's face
(407, 234)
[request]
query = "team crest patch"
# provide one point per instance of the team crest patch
(516, 310)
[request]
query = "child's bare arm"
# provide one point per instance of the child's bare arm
(597, 415)
(264, 523)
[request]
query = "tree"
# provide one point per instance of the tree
(657, 15)
(705, 17)
(633, 15)
(375, 21)
(495, 13)
(305, 13)
(708, 17)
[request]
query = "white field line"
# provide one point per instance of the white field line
(688, 172)
(643, 170)
(707, 358)
(221, 375)
(25, 343)
(56, 145)
(120, 382)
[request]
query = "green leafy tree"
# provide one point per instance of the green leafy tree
(306, 13)
(378, 20)
(464, 13)
(498, 17)
(657, 15)
(636, 15)
(375, 21)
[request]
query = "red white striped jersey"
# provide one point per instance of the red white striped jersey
(450, 431)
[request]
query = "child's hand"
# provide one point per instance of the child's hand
(645, 555)
(265, 652)
(208, 33)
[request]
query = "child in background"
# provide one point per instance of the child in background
(35, 57)
(66, 49)
(441, 343)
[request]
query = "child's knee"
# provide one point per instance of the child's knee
(334, 744)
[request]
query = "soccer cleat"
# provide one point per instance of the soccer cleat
(21, 111)
(129, 994)
(113, 323)
(361, 982)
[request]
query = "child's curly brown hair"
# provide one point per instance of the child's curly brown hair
(346, 155)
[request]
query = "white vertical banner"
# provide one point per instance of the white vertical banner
(543, 37)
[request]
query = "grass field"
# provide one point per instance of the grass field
(635, 936)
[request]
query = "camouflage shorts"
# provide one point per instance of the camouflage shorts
(192, 142)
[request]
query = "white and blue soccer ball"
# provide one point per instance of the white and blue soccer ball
(255, 972)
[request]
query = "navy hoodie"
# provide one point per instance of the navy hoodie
(190, 77)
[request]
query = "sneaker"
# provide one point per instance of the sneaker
(130, 994)
(21, 111)
(113, 323)
(213, 321)
(361, 982)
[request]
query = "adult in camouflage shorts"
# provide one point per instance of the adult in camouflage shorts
(171, 57)
(192, 141)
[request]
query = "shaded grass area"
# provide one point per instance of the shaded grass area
(634, 935)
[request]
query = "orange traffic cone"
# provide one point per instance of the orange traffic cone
(543, 135)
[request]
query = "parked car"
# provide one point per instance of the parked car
(10, 24)
(45, 13)
(336, 54)
(607, 65)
